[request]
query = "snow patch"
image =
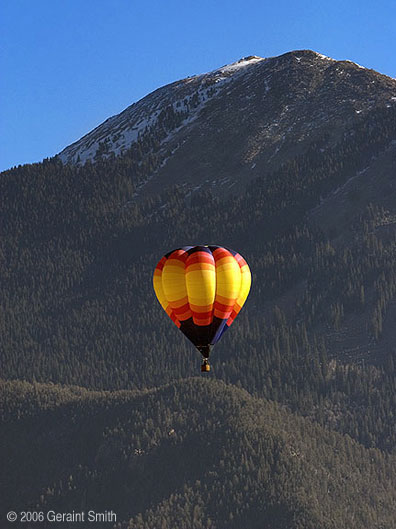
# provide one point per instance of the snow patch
(186, 98)
(240, 64)
(323, 56)
(356, 64)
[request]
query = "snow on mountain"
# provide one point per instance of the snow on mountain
(217, 131)
(184, 98)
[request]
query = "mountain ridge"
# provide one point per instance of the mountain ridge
(240, 461)
(199, 114)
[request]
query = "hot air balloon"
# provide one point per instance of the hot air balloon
(202, 289)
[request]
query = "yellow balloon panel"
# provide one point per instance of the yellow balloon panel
(201, 286)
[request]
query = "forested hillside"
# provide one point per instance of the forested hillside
(78, 305)
(315, 338)
(194, 453)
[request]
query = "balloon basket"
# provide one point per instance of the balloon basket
(205, 367)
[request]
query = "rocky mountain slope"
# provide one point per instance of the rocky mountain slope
(221, 129)
(184, 99)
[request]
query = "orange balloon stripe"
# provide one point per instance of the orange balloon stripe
(180, 303)
(182, 313)
(202, 323)
(160, 264)
(200, 257)
(203, 319)
(177, 258)
(172, 315)
(221, 306)
(221, 315)
(231, 318)
(241, 261)
(223, 259)
(175, 320)
(234, 314)
(178, 263)
(199, 316)
(201, 308)
(221, 299)
(185, 316)
(179, 311)
(221, 310)
(221, 252)
(199, 266)
(178, 254)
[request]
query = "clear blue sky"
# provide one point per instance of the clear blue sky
(67, 65)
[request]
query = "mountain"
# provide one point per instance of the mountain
(222, 129)
(193, 454)
(184, 100)
(291, 162)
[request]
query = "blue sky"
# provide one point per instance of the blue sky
(67, 65)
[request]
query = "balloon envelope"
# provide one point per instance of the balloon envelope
(202, 289)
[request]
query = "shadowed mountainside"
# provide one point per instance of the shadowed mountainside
(193, 454)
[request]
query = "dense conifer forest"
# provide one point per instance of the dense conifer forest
(226, 460)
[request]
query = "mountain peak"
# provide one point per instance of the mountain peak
(275, 91)
(308, 53)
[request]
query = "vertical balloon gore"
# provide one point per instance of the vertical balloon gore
(202, 289)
